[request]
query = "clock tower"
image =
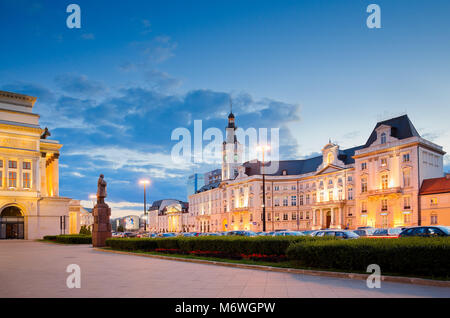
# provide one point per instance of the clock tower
(231, 151)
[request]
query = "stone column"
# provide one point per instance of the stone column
(55, 175)
(42, 175)
(321, 218)
(19, 174)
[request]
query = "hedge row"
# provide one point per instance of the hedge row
(406, 256)
(264, 247)
(70, 239)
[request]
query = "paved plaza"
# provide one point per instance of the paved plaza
(35, 269)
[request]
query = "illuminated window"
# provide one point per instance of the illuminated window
(363, 207)
(330, 196)
(277, 216)
(433, 201)
(12, 178)
(26, 181)
(407, 218)
(322, 196)
(363, 185)
(330, 158)
(12, 164)
(383, 162)
(383, 138)
(384, 221)
(384, 181)
(384, 205)
(350, 193)
(294, 216)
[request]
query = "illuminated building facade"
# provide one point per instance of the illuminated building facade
(30, 205)
(376, 184)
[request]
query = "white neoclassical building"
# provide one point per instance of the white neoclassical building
(30, 205)
(375, 184)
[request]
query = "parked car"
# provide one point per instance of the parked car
(310, 232)
(425, 231)
(386, 233)
(167, 235)
(288, 233)
(129, 234)
(342, 234)
(365, 232)
(265, 233)
(190, 234)
(241, 233)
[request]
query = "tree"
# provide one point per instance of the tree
(120, 228)
(84, 230)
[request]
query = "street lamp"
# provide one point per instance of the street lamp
(263, 149)
(144, 182)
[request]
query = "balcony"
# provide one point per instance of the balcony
(377, 192)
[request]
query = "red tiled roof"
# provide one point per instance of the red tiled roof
(436, 185)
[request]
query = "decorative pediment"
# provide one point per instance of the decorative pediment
(328, 169)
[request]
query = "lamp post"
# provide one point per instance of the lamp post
(144, 182)
(263, 150)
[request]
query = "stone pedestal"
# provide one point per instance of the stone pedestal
(102, 226)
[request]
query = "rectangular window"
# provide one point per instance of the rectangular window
(363, 207)
(350, 179)
(301, 199)
(364, 166)
(434, 219)
(406, 203)
(285, 217)
(1, 163)
(12, 179)
(294, 200)
(407, 218)
(406, 157)
(363, 185)
(384, 221)
(307, 199)
(322, 196)
(277, 216)
(276, 188)
(433, 201)
(384, 181)
(26, 165)
(406, 178)
(384, 205)
(383, 162)
(350, 193)
(26, 181)
(12, 164)
(330, 196)
(277, 202)
(1, 179)
(293, 188)
(307, 215)
(294, 216)
(285, 201)
(301, 215)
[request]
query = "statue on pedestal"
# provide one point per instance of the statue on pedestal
(101, 189)
(102, 226)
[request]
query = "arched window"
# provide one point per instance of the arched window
(383, 138)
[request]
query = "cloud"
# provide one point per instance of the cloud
(161, 81)
(79, 85)
(156, 50)
(77, 174)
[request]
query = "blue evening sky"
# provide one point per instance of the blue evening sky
(113, 91)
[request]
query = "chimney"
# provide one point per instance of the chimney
(447, 176)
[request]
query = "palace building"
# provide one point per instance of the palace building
(376, 184)
(30, 205)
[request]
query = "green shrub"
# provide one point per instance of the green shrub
(85, 230)
(50, 237)
(264, 247)
(407, 256)
(74, 239)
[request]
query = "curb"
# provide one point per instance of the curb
(394, 279)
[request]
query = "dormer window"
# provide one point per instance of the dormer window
(284, 172)
(383, 138)
(330, 158)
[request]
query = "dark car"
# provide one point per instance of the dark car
(241, 233)
(425, 231)
(365, 231)
(387, 233)
(288, 233)
(342, 234)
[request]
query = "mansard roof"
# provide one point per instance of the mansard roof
(209, 186)
(299, 167)
(401, 128)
